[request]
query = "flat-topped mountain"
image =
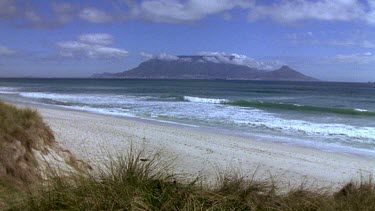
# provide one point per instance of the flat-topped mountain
(203, 67)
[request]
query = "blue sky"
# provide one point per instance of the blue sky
(329, 39)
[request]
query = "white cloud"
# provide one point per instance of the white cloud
(371, 15)
(367, 54)
(95, 15)
(98, 38)
(92, 46)
(63, 7)
(367, 44)
(357, 58)
(61, 13)
(355, 41)
(35, 16)
(343, 43)
(289, 11)
(301, 37)
(174, 11)
(219, 57)
(162, 56)
(179, 11)
(352, 43)
(5, 51)
(238, 59)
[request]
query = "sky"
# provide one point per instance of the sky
(333, 40)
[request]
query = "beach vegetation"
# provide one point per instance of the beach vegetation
(22, 131)
(140, 182)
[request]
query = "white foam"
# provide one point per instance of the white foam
(361, 110)
(94, 99)
(330, 147)
(204, 100)
(356, 134)
(206, 112)
(5, 88)
(43, 95)
(8, 90)
(110, 111)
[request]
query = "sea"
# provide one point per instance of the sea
(337, 117)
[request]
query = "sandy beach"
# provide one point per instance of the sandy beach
(92, 136)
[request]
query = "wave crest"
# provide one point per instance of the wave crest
(205, 100)
(297, 107)
(281, 106)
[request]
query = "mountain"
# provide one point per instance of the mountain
(203, 67)
(285, 73)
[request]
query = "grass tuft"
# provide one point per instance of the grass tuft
(22, 130)
(139, 182)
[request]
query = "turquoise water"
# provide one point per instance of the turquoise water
(330, 116)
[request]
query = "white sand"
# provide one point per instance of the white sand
(91, 136)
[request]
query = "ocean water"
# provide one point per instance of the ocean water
(336, 117)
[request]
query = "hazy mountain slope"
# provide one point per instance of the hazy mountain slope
(285, 73)
(192, 67)
(189, 70)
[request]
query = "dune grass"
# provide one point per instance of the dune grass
(138, 182)
(23, 124)
(22, 130)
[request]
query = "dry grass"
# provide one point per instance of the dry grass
(138, 182)
(21, 132)
(25, 125)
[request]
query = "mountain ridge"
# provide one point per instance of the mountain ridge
(195, 67)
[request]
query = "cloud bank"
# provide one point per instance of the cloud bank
(55, 14)
(287, 11)
(332, 38)
(219, 57)
(162, 56)
(238, 59)
(29, 14)
(175, 11)
(358, 58)
(95, 15)
(96, 39)
(93, 46)
(181, 11)
(283, 11)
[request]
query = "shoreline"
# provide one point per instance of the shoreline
(325, 147)
(92, 137)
